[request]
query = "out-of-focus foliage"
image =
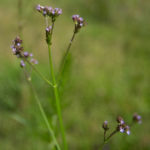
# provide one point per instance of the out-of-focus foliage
(108, 75)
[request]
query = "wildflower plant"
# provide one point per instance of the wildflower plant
(121, 127)
(26, 58)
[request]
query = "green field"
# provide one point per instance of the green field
(108, 74)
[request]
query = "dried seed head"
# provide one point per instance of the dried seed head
(137, 118)
(105, 125)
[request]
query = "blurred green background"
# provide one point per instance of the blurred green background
(108, 74)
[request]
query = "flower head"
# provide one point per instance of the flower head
(127, 129)
(105, 125)
(137, 118)
(120, 120)
(49, 11)
(22, 64)
(18, 50)
(123, 128)
(17, 46)
(79, 22)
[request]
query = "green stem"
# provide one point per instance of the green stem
(39, 73)
(58, 107)
(45, 117)
(107, 139)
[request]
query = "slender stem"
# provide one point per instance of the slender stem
(113, 133)
(105, 135)
(52, 29)
(62, 64)
(58, 107)
(45, 117)
(39, 73)
(107, 139)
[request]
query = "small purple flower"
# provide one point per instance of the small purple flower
(121, 129)
(31, 55)
(75, 17)
(59, 11)
(14, 50)
(18, 44)
(120, 120)
(26, 54)
(127, 129)
(53, 12)
(48, 29)
(137, 118)
(22, 64)
(17, 50)
(38, 8)
(81, 19)
(50, 9)
(105, 125)
(34, 61)
(79, 22)
(44, 13)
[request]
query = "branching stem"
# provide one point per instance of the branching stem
(39, 73)
(56, 93)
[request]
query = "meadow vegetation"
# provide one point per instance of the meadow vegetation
(107, 74)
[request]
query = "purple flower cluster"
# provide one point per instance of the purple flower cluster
(122, 127)
(18, 50)
(49, 11)
(79, 22)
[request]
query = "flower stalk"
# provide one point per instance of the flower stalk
(50, 129)
(56, 93)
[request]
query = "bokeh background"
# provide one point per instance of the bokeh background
(107, 75)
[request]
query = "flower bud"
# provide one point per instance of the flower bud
(137, 118)
(22, 64)
(26, 54)
(120, 120)
(105, 125)
(127, 129)
(79, 22)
